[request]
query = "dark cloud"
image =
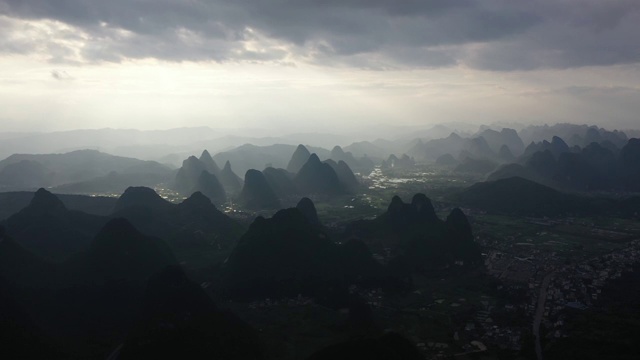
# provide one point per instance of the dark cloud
(491, 34)
(598, 35)
(603, 91)
(61, 75)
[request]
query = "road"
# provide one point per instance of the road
(542, 298)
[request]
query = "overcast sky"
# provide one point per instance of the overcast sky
(317, 65)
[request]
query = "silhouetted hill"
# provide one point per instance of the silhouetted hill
(141, 196)
(146, 210)
(298, 159)
(367, 149)
(179, 320)
(256, 192)
(479, 148)
(281, 256)
(188, 175)
(522, 197)
(194, 223)
(457, 146)
(12, 202)
(308, 209)
(200, 175)
(461, 238)
(595, 167)
(630, 164)
(209, 164)
(557, 146)
(248, 156)
(419, 240)
(518, 196)
(281, 181)
(543, 163)
(231, 182)
(316, 177)
(338, 154)
(287, 255)
(347, 179)
(506, 137)
(515, 170)
(363, 164)
(44, 202)
(581, 135)
(505, 154)
(417, 149)
(119, 251)
(47, 228)
(209, 185)
(200, 223)
(393, 162)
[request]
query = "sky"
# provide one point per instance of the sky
(317, 65)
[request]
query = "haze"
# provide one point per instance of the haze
(316, 66)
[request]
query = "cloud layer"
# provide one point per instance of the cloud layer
(497, 35)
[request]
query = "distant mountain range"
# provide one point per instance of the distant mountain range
(522, 197)
(596, 167)
(79, 170)
(203, 175)
(90, 171)
(266, 189)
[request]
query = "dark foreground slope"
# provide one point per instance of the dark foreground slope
(124, 298)
(387, 347)
(84, 305)
(179, 320)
